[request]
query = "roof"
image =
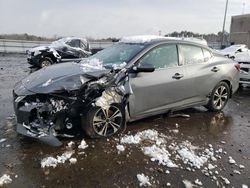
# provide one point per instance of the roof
(140, 39)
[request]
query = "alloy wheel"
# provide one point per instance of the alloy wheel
(220, 97)
(107, 122)
(45, 63)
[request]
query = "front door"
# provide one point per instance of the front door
(164, 88)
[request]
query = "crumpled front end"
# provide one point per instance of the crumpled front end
(40, 117)
(46, 111)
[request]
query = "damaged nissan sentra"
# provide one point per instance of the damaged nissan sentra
(138, 77)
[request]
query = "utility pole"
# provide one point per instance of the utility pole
(223, 29)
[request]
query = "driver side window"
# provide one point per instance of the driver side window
(161, 57)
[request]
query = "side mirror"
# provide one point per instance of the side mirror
(143, 68)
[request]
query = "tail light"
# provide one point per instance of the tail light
(237, 66)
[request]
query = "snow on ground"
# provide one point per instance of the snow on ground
(5, 179)
(2, 140)
(188, 184)
(143, 180)
(83, 145)
(159, 154)
(60, 159)
(120, 148)
(165, 151)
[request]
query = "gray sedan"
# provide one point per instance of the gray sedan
(135, 78)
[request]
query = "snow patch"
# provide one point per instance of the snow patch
(198, 182)
(144, 180)
(2, 140)
(231, 160)
(72, 160)
(90, 64)
(120, 148)
(83, 145)
(53, 162)
(151, 135)
(141, 38)
(5, 179)
(159, 154)
(189, 157)
(188, 184)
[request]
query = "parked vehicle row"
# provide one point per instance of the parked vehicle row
(137, 77)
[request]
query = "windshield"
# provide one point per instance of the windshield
(118, 54)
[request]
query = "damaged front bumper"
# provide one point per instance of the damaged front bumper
(30, 127)
(46, 137)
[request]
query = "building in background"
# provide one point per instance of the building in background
(240, 29)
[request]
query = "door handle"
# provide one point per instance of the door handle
(215, 69)
(177, 76)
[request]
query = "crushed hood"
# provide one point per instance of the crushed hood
(61, 77)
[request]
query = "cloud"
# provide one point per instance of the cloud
(115, 18)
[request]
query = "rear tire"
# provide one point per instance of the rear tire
(45, 62)
(100, 123)
(219, 97)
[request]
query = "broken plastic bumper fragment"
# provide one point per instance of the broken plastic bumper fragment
(46, 137)
(41, 130)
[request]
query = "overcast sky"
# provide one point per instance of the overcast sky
(115, 18)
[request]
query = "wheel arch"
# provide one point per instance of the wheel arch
(229, 85)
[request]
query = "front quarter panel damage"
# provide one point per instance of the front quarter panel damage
(46, 116)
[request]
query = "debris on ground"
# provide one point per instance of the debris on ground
(5, 179)
(144, 180)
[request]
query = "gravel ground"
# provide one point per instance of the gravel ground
(102, 164)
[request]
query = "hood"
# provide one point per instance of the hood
(39, 48)
(61, 77)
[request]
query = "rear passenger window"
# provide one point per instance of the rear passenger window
(192, 54)
(164, 56)
(207, 55)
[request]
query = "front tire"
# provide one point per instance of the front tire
(45, 62)
(219, 97)
(100, 122)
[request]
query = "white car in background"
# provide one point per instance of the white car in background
(234, 50)
(243, 59)
(241, 54)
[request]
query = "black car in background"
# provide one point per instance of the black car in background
(62, 50)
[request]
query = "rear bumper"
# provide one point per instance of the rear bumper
(245, 77)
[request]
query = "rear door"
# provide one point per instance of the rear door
(202, 71)
(165, 87)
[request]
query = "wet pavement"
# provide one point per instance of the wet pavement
(103, 166)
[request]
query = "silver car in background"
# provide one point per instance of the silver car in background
(138, 77)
